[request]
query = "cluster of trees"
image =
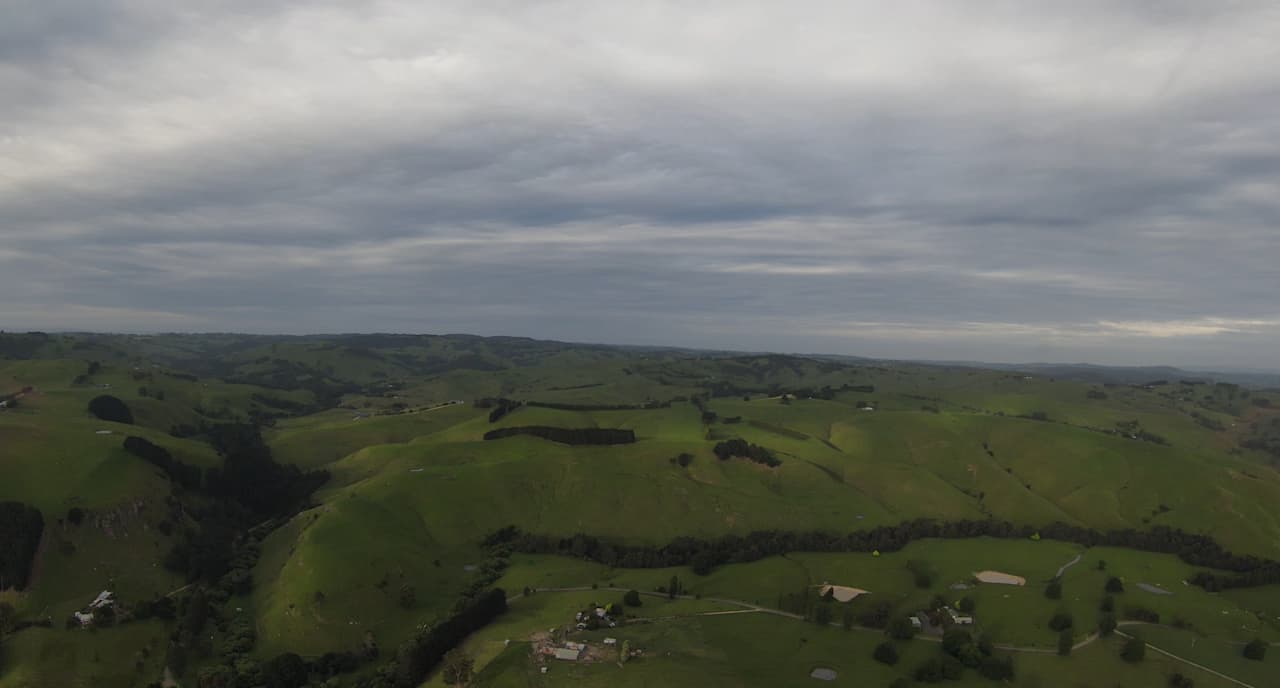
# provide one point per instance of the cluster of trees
(1134, 429)
(1264, 436)
(219, 549)
(20, 528)
(416, 657)
(111, 409)
(184, 474)
(741, 448)
(705, 554)
(501, 407)
(574, 436)
(90, 370)
(250, 475)
(234, 664)
(960, 651)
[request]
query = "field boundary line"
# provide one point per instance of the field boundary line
(1187, 661)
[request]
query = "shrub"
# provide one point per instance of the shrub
(921, 572)
(1115, 585)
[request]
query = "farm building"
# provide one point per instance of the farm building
(103, 599)
(957, 618)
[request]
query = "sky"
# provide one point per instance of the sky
(1004, 181)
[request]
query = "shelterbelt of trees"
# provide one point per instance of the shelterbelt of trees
(705, 554)
(577, 436)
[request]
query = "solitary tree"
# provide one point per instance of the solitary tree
(1107, 625)
(886, 653)
(1135, 650)
(1108, 604)
(1115, 585)
(674, 588)
(1256, 650)
(457, 667)
(632, 598)
(1065, 642)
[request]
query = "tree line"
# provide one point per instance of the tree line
(574, 436)
(416, 657)
(599, 407)
(184, 474)
(20, 528)
(705, 554)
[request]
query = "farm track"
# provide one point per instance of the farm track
(748, 607)
(1063, 569)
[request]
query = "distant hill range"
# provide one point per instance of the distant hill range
(1129, 375)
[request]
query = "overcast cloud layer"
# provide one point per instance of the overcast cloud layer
(1091, 181)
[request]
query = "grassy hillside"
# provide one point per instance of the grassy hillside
(414, 487)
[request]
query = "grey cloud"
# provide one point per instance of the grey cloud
(1008, 181)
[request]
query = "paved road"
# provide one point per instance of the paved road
(750, 607)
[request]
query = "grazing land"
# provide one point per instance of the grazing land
(389, 462)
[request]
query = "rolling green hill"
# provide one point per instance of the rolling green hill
(398, 423)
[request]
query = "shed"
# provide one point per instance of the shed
(103, 599)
